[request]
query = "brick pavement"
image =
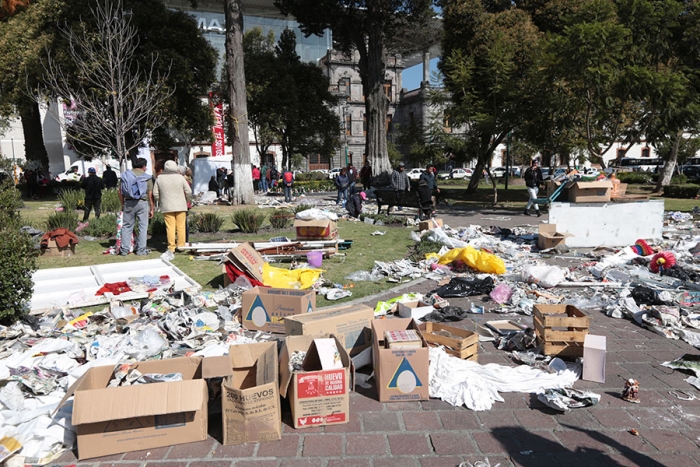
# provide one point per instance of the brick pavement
(518, 432)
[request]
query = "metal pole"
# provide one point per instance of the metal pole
(14, 162)
(507, 159)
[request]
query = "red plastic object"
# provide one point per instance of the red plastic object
(663, 260)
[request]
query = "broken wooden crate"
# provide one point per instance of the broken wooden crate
(561, 329)
(458, 342)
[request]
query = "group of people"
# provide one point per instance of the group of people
(427, 187)
(37, 183)
(221, 182)
(267, 177)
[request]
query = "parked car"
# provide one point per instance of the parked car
(414, 174)
(333, 173)
(545, 173)
(323, 171)
(443, 175)
(461, 173)
(498, 172)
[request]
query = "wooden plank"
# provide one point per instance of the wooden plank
(550, 335)
(470, 353)
(563, 350)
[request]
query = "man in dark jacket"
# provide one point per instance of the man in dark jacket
(93, 186)
(109, 176)
(533, 180)
(427, 183)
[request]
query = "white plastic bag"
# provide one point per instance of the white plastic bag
(544, 276)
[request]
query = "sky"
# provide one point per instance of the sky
(412, 77)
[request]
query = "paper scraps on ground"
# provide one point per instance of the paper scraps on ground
(463, 382)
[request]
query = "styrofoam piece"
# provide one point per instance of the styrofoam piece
(608, 224)
(54, 287)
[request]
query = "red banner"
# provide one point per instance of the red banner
(217, 148)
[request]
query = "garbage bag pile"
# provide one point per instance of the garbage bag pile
(40, 358)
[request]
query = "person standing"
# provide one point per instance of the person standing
(229, 184)
(352, 176)
(287, 182)
(221, 180)
(342, 182)
(400, 181)
(366, 175)
(93, 186)
(173, 193)
(136, 197)
(263, 179)
(533, 180)
(256, 179)
(426, 186)
(213, 186)
(109, 176)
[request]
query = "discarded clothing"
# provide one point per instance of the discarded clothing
(62, 237)
(565, 399)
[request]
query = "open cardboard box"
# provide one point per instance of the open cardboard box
(250, 397)
(548, 237)
(245, 258)
(590, 192)
(320, 229)
(133, 418)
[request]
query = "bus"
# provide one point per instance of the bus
(630, 164)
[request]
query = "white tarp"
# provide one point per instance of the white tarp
(203, 168)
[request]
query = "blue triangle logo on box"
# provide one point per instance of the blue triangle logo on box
(257, 313)
(402, 377)
(309, 308)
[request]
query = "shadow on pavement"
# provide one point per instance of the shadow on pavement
(528, 449)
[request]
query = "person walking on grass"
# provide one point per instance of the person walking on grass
(173, 193)
(93, 186)
(533, 180)
(342, 182)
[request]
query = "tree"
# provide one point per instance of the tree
(118, 103)
(366, 26)
(488, 67)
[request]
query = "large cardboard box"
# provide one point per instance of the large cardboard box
(430, 224)
(349, 323)
(264, 308)
(250, 397)
(551, 186)
(133, 418)
(316, 229)
(316, 396)
(401, 374)
(590, 192)
(548, 237)
(247, 259)
(53, 250)
(415, 309)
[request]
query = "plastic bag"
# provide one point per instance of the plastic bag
(316, 214)
(501, 294)
(382, 308)
(359, 276)
(475, 259)
(544, 276)
(465, 287)
(645, 296)
(289, 279)
(449, 313)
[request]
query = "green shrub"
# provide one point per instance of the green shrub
(386, 219)
(156, 224)
(310, 176)
(248, 220)
(110, 201)
(423, 247)
(71, 199)
(105, 226)
(281, 218)
(314, 186)
(208, 222)
(634, 177)
(681, 191)
(62, 219)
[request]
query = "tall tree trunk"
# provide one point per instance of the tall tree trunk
(667, 172)
(34, 147)
(238, 107)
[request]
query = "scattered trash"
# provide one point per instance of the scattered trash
(630, 392)
(378, 232)
(565, 399)
(634, 432)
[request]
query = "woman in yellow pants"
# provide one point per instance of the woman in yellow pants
(173, 193)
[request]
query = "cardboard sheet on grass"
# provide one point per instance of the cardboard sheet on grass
(76, 286)
(250, 397)
(133, 418)
(475, 259)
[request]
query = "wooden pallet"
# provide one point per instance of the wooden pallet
(561, 328)
(464, 344)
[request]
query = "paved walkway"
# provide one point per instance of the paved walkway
(519, 432)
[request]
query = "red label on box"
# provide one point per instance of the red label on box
(318, 420)
(321, 384)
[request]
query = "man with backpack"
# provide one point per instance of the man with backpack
(274, 176)
(136, 197)
(533, 180)
(287, 182)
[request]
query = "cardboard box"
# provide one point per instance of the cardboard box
(250, 397)
(458, 342)
(590, 192)
(401, 374)
(316, 396)
(430, 224)
(349, 323)
(133, 418)
(548, 237)
(55, 251)
(415, 309)
(561, 328)
(594, 350)
(264, 308)
(247, 259)
(316, 229)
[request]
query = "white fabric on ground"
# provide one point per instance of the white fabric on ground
(461, 382)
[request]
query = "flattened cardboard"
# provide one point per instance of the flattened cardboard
(548, 237)
(594, 350)
(401, 374)
(265, 308)
(133, 418)
(315, 229)
(250, 392)
(430, 224)
(317, 397)
(349, 323)
(590, 192)
(415, 309)
(247, 259)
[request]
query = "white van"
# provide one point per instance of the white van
(78, 169)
